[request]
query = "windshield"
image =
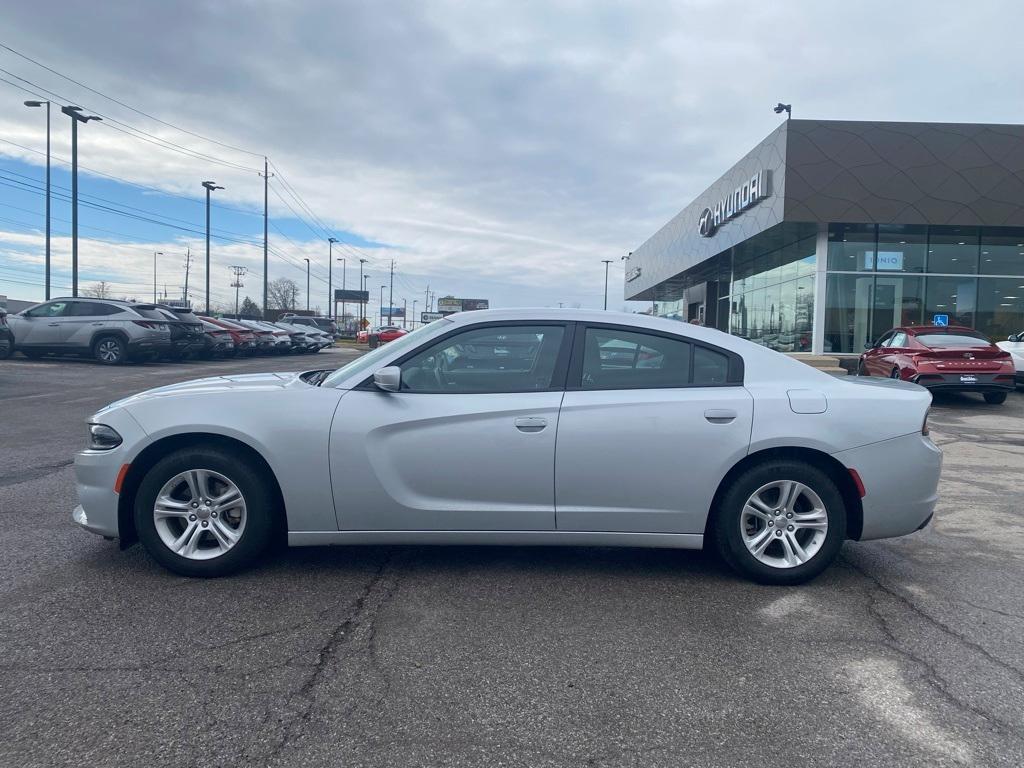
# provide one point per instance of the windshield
(952, 340)
(370, 360)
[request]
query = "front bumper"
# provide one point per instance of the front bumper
(901, 480)
(961, 382)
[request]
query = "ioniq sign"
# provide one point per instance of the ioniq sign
(746, 195)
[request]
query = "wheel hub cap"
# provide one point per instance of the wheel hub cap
(199, 514)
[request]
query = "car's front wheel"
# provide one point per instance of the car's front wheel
(204, 512)
(781, 522)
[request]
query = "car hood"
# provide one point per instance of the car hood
(236, 383)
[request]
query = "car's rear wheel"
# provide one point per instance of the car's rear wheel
(6, 348)
(781, 522)
(203, 512)
(109, 350)
(995, 398)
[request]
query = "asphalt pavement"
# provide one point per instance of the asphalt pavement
(907, 652)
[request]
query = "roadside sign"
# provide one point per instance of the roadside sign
(429, 317)
(940, 320)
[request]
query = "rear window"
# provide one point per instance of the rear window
(150, 311)
(186, 316)
(951, 340)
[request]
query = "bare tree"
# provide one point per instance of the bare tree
(282, 293)
(100, 290)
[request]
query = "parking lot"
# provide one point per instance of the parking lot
(908, 652)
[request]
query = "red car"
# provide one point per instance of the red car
(380, 335)
(942, 358)
(244, 338)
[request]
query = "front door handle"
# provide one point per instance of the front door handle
(53, 325)
(530, 423)
(719, 415)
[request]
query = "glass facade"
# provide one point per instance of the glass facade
(890, 275)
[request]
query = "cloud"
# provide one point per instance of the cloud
(507, 145)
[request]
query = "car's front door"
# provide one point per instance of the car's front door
(650, 423)
(41, 326)
(467, 443)
(873, 358)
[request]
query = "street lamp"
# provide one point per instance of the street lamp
(344, 286)
(39, 104)
(210, 186)
(382, 304)
(780, 108)
(76, 118)
(414, 313)
(606, 263)
(155, 254)
(330, 278)
(362, 287)
(307, 285)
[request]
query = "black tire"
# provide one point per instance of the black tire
(257, 492)
(995, 398)
(895, 373)
(109, 350)
(862, 370)
(6, 349)
(728, 519)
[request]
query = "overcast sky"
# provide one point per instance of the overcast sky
(494, 150)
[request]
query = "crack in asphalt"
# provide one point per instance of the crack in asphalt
(935, 678)
(28, 475)
(327, 651)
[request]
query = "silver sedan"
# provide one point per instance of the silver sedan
(522, 427)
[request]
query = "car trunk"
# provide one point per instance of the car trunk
(960, 359)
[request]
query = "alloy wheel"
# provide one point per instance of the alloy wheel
(199, 514)
(784, 524)
(109, 350)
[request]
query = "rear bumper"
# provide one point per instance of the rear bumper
(149, 345)
(901, 479)
(973, 382)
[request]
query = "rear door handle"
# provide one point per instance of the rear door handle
(719, 415)
(530, 423)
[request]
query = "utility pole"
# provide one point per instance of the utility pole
(237, 283)
(332, 308)
(405, 313)
(266, 179)
(606, 263)
(188, 263)
(307, 284)
(362, 287)
(155, 254)
(76, 117)
(426, 300)
(391, 292)
(414, 313)
(382, 306)
(209, 186)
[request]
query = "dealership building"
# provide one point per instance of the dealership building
(829, 233)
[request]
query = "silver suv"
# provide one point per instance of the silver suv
(108, 330)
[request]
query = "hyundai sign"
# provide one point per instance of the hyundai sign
(748, 194)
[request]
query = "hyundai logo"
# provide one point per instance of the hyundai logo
(706, 225)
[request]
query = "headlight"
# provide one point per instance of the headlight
(103, 438)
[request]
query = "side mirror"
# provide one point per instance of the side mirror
(868, 345)
(1013, 337)
(388, 379)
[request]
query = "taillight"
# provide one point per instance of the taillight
(924, 427)
(146, 324)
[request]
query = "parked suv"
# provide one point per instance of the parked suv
(324, 324)
(186, 332)
(108, 330)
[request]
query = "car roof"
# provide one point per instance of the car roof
(916, 329)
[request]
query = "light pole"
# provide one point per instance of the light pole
(414, 313)
(307, 285)
(330, 277)
(606, 263)
(39, 104)
(210, 186)
(382, 304)
(155, 254)
(780, 108)
(76, 118)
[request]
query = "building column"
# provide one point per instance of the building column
(820, 270)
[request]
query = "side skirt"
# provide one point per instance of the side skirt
(499, 538)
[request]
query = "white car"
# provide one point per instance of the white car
(1015, 346)
(519, 427)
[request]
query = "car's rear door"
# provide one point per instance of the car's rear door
(649, 425)
(468, 443)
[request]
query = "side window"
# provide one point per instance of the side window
(709, 367)
(53, 309)
(90, 309)
(617, 359)
(513, 358)
(898, 340)
(884, 340)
